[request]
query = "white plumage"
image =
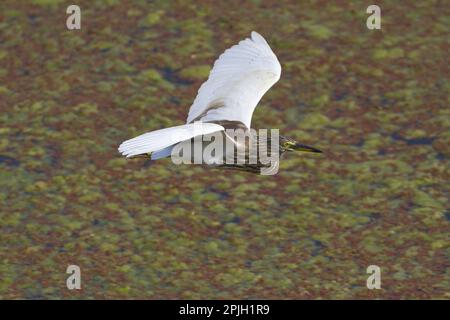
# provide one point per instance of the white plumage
(161, 139)
(238, 80)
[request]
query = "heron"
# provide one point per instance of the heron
(226, 101)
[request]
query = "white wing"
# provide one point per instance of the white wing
(238, 80)
(160, 139)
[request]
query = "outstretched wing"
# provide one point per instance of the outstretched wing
(238, 80)
(157, 141)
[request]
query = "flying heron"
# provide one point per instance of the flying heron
(226, 101)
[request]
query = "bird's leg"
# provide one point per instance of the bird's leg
(246, 168)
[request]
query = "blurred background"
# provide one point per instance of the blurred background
(376, 101)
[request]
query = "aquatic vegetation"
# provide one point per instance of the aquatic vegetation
(375, 101)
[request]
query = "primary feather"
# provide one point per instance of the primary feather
(160, 139)
(238, 80)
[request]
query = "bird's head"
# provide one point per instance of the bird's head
(288, 144)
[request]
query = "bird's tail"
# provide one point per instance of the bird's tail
(161, 141)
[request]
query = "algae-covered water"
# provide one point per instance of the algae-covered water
(376, 101)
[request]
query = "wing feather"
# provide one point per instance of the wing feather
(158, 140)
(238, 80)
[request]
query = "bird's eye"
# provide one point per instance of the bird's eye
(288, 144)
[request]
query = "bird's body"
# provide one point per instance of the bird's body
(238, 148)
(221, 115)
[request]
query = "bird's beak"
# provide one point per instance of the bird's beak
(305, 148)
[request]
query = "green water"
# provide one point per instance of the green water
(376, 101)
